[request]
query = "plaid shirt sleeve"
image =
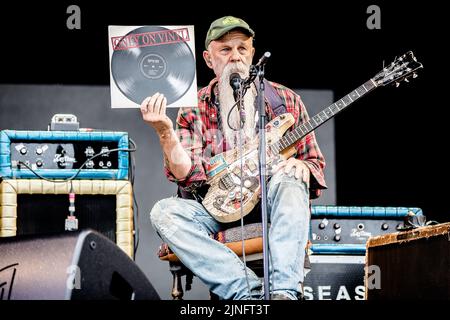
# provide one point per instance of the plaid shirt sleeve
(307, 148)
(189, 132)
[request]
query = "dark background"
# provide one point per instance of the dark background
(389, 146)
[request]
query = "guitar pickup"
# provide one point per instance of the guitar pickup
(251, 165)
(237, 171)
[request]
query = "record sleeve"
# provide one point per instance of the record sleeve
(145, 60)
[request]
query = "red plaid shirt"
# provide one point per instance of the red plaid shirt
(197, 130)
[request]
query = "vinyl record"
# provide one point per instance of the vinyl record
(143, 71)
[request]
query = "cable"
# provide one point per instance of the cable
(71, 222)
(239, 100)
(132, 161)
(135, 203)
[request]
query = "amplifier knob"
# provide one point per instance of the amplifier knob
(39, 151)
(337, 238)
(384, 226)
(321, 225)
(89, 152)
(336, 225)
(105, 152)
(90, 164)
(23, 150)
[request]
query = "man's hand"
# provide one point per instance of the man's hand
(301, 169)
(153, 111)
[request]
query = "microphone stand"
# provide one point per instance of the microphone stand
(258, 71)
(262, 179)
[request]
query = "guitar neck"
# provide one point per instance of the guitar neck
(302, 130)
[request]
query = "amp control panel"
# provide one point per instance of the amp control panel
(344, 230)
(64, 154)
(350, 231)
(70, 155)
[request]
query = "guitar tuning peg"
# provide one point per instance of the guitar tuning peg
(406, 80)
(397, 84)
(415, 75)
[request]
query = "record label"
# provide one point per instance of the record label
(153, 66)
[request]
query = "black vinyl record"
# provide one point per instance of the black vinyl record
(143, 71)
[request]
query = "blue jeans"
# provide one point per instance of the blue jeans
(186, 227)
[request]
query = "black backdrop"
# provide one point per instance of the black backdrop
(389, 146)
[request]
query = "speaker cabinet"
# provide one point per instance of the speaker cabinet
(31, 206)
(69, 266)
(412, 264)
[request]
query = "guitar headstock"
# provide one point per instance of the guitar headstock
(401, 69)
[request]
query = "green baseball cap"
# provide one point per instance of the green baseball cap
(222, 25)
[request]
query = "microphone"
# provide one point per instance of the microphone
(235, 83)
(263, 59)
(254, 69)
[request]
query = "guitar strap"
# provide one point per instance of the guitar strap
(275, 101)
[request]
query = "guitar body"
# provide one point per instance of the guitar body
(223, 199)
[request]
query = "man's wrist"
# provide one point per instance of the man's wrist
(166, 134)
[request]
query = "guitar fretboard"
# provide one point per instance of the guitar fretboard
(302, 130)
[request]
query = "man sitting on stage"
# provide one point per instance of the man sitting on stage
(205, 131)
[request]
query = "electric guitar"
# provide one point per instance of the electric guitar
(224, 197)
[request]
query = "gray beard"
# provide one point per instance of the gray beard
(226, 101)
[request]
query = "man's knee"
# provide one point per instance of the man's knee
(166, 216)
(289, 195)
(162, 211)
(282, 178)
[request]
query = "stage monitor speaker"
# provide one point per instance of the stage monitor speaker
(33, 207)
(81, 265)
